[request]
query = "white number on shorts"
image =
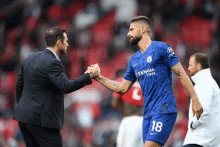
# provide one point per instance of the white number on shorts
(135, 95)
(157, 126)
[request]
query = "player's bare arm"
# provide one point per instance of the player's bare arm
(119, 87)
(187, 84)
(115, 102)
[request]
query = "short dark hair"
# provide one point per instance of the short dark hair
(143, 19)
(54, 34)
(203, 59)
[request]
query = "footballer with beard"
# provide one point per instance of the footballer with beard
(152, 66)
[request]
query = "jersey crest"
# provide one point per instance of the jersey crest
(149, 59)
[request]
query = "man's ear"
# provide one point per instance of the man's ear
(199, 66)
(59, 42)
(143, 29)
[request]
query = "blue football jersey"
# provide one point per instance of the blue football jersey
(153, 71)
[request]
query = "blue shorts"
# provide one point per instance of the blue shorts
(158, 127)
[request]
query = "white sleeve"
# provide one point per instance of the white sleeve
(204, 93)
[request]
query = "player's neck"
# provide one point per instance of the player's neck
(144, 43)
(55, 50)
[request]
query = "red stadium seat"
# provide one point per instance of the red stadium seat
(9, 81)
(12, 34)
(196, 32)
(74, 64)
(31, 23)
(54, 12)
(96, 54)
(108, 70)
(9, 128)
(102, 31)
(121, 59)
(181, 96)
(64, 24)
(172, 39)
(197, 3)
(74, 8)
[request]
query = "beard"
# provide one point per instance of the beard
(135, 40)
(62, 51)
(192, 73)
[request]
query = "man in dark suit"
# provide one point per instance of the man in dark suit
(40, 92)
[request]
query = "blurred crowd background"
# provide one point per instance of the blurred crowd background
(97, 32)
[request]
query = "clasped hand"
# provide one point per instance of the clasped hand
(93, 70)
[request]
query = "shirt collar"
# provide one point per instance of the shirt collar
(54, 54)
(202, 73)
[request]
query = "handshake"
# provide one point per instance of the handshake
(94, 70)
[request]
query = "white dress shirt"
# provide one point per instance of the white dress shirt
(207, 128)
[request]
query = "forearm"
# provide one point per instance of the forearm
(68, 86)
(59, 78)
(110, 84)
(186, 82)
(115, 102)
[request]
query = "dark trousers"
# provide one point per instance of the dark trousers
(37, 136)
(192, 145)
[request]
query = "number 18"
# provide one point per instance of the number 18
(157, 126)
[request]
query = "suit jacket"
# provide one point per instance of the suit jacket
(40, 89)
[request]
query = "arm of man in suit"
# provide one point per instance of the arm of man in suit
(58, 77)
(19, 84)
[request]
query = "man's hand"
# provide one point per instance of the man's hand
(197, 108)
(94, 70)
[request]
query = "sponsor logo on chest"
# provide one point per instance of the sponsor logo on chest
(148, 72)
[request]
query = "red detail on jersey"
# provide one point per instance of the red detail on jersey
(133, 96)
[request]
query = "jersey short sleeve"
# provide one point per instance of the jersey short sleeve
(130, 74)
(169, 56)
